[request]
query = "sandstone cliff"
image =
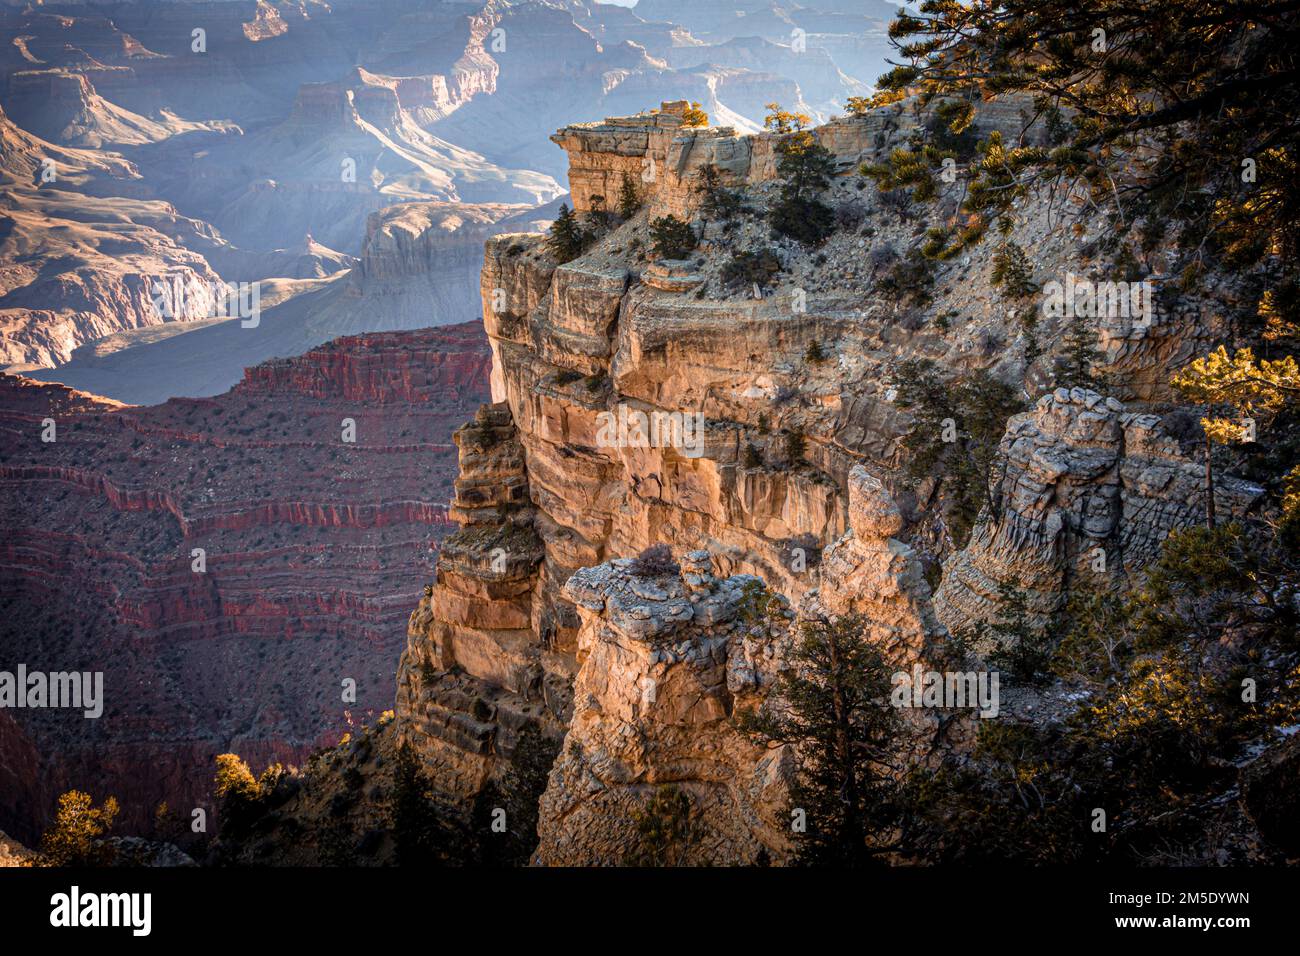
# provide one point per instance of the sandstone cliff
(535, 616)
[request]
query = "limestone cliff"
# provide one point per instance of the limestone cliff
(793, 477)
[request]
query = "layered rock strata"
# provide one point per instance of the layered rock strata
(483, 660)
(225, 562)
(869, 572)
(662, 664)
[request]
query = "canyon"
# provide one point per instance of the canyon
(237, 521)
(226, 562)
(161, 142)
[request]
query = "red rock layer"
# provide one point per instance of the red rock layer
(316, 549)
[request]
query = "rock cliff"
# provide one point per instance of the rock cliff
(1082, 490)
(538, 617)
(662, 674)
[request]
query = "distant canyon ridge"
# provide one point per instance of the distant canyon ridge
(351, 158)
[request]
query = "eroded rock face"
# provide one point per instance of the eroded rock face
(584, 345)
(661, 665)
(108, 260)
(868, 571)
(484, 658)
(1083, 490)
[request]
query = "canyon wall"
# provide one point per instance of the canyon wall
(313, 549)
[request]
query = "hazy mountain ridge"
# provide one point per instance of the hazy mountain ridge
(256, 124)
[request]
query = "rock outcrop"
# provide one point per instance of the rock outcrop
(662, 664)
(644, 401)
(1082, 490)
(13, 853)
(869, 572)
(482, 660)
(664, 157)
(63, 107)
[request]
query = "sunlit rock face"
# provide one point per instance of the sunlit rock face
(561, 632)
(663, 157)
(661, 659)
(483, 659)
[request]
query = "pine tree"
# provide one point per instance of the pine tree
(859, 105)
(716, 201)
(814, 354)
(567, 238)
(523, 784)
(422, 834)
(805, 168)
(671, 237)
(1234, 389)
(167, 824)
(832, 705)
(695, 116)
(663, 829)
(783, 121)
(598, 217)
(1185, 81)
(628, 199)
(1079, 355)
(955, 434)
(1011, 271)
(796, 446)
(1019, 645)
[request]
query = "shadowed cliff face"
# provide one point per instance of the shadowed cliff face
(314, 549)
